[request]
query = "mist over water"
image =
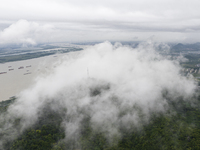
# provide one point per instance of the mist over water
(115, 86)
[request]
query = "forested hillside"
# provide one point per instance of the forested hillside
(178, 129)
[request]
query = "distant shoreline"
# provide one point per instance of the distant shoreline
(27, 56)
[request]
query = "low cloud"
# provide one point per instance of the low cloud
(25, 32)
(113, 85)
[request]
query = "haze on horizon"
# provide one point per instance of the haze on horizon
(40, 21)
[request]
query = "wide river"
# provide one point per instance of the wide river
(21, 74)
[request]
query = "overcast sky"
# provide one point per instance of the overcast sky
(37, 21)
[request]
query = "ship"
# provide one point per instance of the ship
(3, 72)
(21, 67)
(27, 73)
(11, 69)
(28, 66)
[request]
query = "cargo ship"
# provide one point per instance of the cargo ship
(28, 66)
(27, 73)
(21, 67)
(3, 72)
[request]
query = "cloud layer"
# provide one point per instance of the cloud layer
(110, 20)
(25, 32)
(114, 85)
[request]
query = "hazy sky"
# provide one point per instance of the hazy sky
(35, 21)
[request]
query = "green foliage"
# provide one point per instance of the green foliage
(38, 139)
(177, 132)
(5, 104)
(90, 139)
(43, 135)
(180, 131)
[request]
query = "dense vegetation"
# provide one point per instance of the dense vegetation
(4, 104)
(178, 130)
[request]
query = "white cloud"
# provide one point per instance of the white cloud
(129, 83)
(24, 32)
(124, 17)
(153, 10)
(32, 32)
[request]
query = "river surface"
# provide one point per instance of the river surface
(22, 74)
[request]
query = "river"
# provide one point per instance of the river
(22, 74)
